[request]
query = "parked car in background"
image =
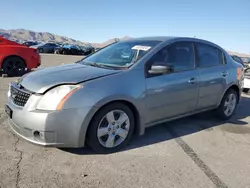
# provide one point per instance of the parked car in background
(30, 43)
(59, 44)
(238, 59)
(16, 59)
(246, 61)
(97, 49)
(246, 85)
(73, 50)
(122, 89)
(69, 50)
(90, 49)
(45, 47)
(87, 50)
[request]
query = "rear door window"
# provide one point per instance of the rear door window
(208, 56)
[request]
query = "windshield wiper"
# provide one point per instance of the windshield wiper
(94, 64)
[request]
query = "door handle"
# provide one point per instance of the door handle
(191, 81)
(224, 74)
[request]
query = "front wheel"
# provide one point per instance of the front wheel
(111, 128)
(228, 105)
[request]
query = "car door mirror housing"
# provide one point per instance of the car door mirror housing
(160, 69)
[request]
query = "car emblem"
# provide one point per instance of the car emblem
(18, 82)
(13, 95)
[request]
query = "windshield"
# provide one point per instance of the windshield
(121, 54)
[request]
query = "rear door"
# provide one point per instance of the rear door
(213, 73)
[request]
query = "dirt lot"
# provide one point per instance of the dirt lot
(199, 151)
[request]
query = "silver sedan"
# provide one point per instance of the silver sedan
(122, 89)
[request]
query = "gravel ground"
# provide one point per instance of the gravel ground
(198, 151)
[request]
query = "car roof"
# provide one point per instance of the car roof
(167, 38)
(174, 38)
(157, 38)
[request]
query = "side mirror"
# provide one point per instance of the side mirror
(160, 69)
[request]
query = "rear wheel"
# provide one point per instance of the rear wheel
(14, 66)
(228, 105)
(111, 128)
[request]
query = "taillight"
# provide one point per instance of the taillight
(240, 74)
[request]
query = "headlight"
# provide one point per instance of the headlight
(55, 98)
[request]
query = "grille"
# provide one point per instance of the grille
(18, 96)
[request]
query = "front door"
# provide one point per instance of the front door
(174, 93)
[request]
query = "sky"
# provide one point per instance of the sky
(225, 22)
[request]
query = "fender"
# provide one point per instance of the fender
(229, 86)
(140, 125)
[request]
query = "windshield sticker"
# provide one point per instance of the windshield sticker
(144, 48)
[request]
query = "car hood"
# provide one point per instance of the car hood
(41, 80)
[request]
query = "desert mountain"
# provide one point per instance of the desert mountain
(25, 35)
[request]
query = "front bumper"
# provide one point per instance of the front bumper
(49, 128)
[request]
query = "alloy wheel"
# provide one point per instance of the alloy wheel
(15, 67)
(230, 104)
(113, 128)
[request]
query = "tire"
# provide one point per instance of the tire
(99, 141)
(14, 66)
(221, 111)
(245, 90)
(40, 50)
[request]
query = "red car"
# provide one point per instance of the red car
(16, 59)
